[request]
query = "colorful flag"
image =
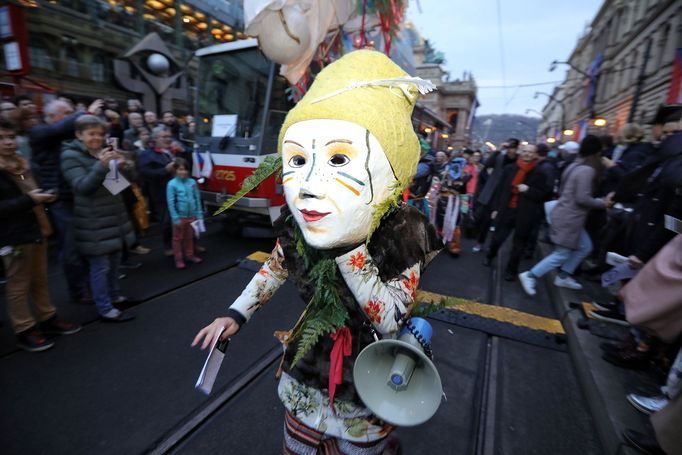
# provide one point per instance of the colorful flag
(590, 83)
(203, 164)
(675, 91)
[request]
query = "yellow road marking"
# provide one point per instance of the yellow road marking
(258, 256)
(498, 313)
(588, 308)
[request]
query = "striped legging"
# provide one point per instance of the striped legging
(300, 439)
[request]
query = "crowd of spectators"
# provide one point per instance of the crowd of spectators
(587, 198)
(600, 200)
(54, 185)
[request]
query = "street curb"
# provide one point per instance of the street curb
(608, 431)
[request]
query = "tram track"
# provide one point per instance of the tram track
(487, 402)
(484, 402)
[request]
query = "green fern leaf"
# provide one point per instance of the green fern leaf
(269, 166)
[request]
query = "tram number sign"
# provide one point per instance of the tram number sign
(225, 175)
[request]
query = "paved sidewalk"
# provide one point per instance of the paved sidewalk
(604, 385)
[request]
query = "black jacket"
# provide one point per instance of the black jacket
(19, 224)
(655, 188)
(634, 156)
(529, 205)
(538, 188)
(496, 163)
(45, 141)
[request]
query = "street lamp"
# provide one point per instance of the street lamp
(552, 67)
(534, 110)
(599, 121)
(568, 132)
(551, 140)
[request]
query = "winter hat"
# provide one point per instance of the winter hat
(365, 87)
(570, 147)
(590, 145)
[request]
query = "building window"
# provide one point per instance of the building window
(626, 22)
(663, 54)
(38, 55)
(97, 69)
(72, 63)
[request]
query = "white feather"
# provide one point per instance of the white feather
(423, 86)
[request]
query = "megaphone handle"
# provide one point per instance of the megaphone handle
(425, 345)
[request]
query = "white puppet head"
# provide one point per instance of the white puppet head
(348, 146)
(334, 172)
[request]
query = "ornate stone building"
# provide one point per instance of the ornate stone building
(454, 102)
(72, 44)
(620, 69)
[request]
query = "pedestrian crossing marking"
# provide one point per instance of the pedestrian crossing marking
(497, 313)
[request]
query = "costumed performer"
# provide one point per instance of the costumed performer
(353, 250)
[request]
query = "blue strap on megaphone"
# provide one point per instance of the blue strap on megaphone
(422, 331)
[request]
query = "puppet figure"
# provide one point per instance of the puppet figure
(354, 252)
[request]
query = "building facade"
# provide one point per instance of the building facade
(620, 70)
(454, 102)
(72, 44)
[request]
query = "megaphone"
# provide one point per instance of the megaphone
(396, 379)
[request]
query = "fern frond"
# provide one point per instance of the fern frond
(325, 311)
(310, 335)
(269, 166)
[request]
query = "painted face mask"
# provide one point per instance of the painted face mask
(334, 172)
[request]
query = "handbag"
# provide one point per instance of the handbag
(140, 209)
(653, 298)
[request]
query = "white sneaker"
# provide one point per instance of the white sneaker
(476, 248)
(567, 282)
(647, 405)
(528, 283)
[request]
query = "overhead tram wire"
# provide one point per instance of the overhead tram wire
(502, 65)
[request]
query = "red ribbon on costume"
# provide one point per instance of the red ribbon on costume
(343, 344)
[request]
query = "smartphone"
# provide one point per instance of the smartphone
(112, 142)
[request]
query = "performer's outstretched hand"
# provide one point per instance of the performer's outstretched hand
(210, 332)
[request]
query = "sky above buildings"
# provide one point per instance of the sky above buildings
(534, 33)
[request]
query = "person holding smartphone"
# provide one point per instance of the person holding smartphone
(102, 228)
(23, 247)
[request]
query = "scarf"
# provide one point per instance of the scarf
(523, 168)
(18, 168)
(165, 152)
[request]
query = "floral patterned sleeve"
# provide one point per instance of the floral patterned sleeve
(262, 286)
(385, 303)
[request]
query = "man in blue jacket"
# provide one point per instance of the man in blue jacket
(155, 165)
(45, 141)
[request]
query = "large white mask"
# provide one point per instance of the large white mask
(334, 172)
